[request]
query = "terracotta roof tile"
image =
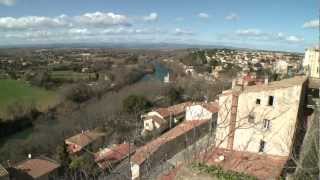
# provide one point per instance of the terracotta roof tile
(212, 106)
(37, 167)
(3, 171)
(173, 110)
(85, 138)
(260, 165)
(113, 154)
(146, 151)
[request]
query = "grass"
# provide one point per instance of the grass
(221, 174)
(13, 91)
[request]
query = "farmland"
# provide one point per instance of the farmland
(13, 91)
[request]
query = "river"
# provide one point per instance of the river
(160, 72)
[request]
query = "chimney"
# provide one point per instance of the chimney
(234, 83)
(266, 80)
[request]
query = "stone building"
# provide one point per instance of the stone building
(311, 62)
(261, 118)
(151, 155)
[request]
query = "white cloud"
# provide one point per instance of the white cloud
(151, 17)
(83, 31)
(102, 19)
(232, 17)
(249, 32)
(312, 24)
(97, 19)
(294, 39)
(203, 15)
(181, 32)
(258, 35)
(32, 22)
(8, 2)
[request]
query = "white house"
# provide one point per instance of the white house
(162, 119)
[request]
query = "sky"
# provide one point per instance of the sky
(290, 25)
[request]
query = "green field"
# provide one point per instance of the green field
(12, 91)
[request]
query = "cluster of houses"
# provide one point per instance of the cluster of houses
(284, 64)
(257, 127)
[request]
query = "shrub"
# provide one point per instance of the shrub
(135, 103)
(220, 173)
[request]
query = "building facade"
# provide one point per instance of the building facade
(261, 118)
(311, 63)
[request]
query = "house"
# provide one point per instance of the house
(261, 118)
(108, 157)
(166, 146)
(201, 111)
(4, 175)
(311, 62)
(41, 168)
(281, 67)
(78, 142)
(162, 119)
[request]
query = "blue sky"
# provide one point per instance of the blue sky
(273, 24)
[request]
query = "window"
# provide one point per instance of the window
(262, 145)
(251, 117)
(258, 101)
(270, 101)
(266, 124)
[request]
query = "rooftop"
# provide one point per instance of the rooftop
(259, 165)
(211, 106)
(114, 154)
(37, 167)
(85, 138)
(147, 150)
(3, 171)
(285, 83)
(173, 110)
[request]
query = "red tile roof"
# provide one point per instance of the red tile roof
(146, 151)
(85, 138)
(113, 155)
(37, 167)
(255, 164)
(212, 106)
(173, 110)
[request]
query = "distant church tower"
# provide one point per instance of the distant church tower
(166, 79)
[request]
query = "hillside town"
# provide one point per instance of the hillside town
(262, 127)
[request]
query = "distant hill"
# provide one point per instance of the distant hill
(116, 45)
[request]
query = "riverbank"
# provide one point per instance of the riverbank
(68, 119)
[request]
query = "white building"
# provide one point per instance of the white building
(162, 119)
(201, 111)
(261, 118)
(311, 62)
(281, 67)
